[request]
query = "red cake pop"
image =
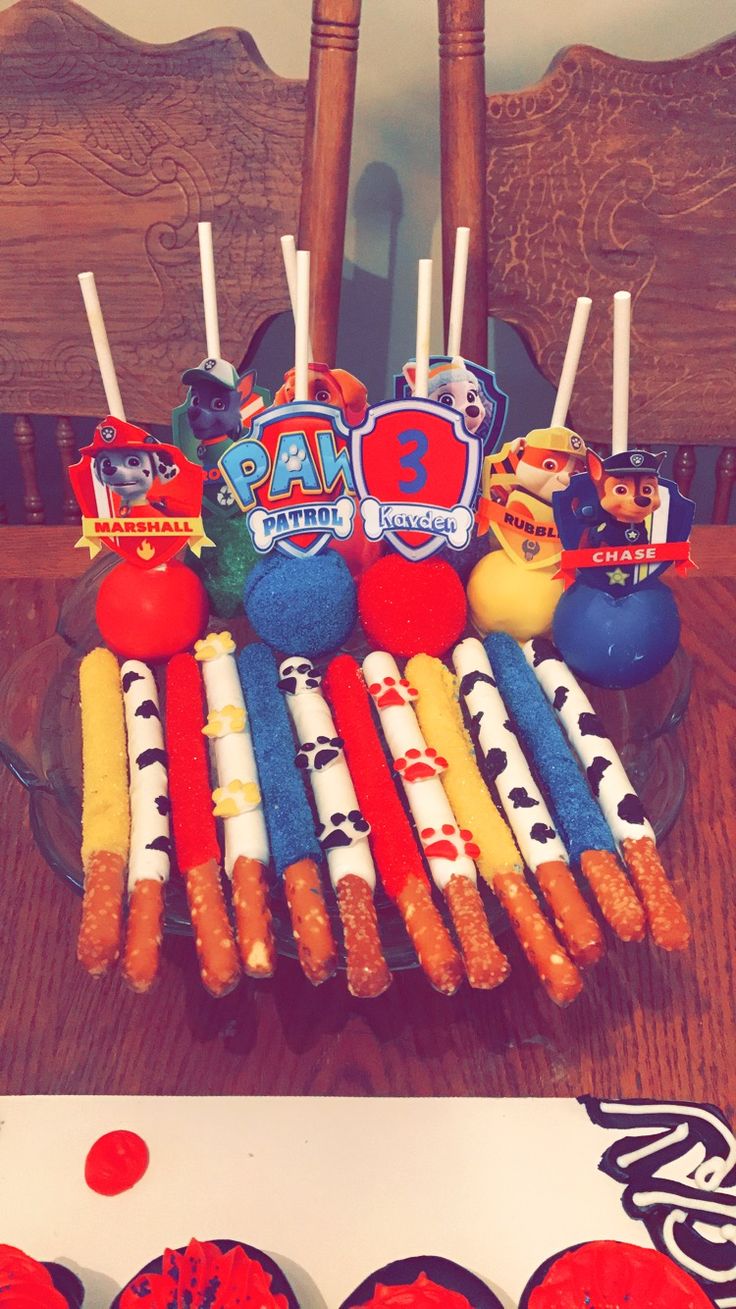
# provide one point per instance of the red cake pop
(412, 608)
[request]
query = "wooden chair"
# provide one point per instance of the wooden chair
(608, 174)
(111, 150)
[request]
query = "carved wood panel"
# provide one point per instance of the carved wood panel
(110, 152)
(614, 174)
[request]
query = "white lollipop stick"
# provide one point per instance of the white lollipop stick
(301, 325)
(457, 300)
(288, 250)
(424, 314)
(571, 360)
(209, 290)
(102, 346)
(621, 352)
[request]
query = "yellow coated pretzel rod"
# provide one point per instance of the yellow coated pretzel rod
(105, 811)
(499, 860)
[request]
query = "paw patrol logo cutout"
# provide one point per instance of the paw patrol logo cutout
(138, 496)
(416, 471)
(292, 477)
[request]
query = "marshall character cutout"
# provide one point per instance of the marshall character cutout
(134, 467)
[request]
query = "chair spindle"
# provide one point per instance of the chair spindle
(25, 440)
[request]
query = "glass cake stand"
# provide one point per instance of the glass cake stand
(39, 711)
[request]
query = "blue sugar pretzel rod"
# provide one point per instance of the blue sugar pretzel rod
(285, 804)
(577, 815)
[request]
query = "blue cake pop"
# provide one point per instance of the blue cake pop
(306, 604)
(617, 642)
(579, 819)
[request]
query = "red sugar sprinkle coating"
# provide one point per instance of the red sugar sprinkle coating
(412, 608)
(190, 789)
(115, 1163)
(392, 840)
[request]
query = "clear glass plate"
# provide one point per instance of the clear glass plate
(41, 744)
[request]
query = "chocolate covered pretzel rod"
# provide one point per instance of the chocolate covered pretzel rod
(392, 840)
(296, 851)
(149, 863)
(611, 787)
(449, 851)
(498, 858)
(105, 811)
(195, 835)
(343, 831)
(237, 800)
(523, 803)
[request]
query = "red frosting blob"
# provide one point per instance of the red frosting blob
(421, 1294)
(614, 1275)
(115, 1163)
(151, 613)
(204, 1277)
(411, 609)
(26, 1284)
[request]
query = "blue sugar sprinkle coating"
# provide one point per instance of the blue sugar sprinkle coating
(285, 805)
(307, 605)
(578, 817)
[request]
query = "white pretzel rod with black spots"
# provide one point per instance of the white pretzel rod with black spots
(237, 801)
(527, 814)
(149, 861)
(343, 831)
(610, 784)
(449, 850)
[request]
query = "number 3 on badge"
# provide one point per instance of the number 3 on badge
(412, 460)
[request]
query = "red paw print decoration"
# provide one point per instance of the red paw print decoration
(388, 692)
(448, 842)
(418, 765)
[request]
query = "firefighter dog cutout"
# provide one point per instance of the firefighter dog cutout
(621, 524)
(467, 387)
(291, 476)
(138, 496)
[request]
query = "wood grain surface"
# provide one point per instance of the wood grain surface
(119, 148)
(647, 1024)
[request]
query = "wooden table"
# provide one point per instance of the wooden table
(648, 1024)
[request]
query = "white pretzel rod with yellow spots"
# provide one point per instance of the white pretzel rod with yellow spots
(149, 862)
(237, 801)
(343, 831)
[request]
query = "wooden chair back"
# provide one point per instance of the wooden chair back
(609, 174)
(111, 152)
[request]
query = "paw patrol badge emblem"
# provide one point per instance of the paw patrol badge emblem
(138, 496)
(417, 471)
(291, 475)
(621, 524)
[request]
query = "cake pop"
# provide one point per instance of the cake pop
(515, 589)
(621, 525)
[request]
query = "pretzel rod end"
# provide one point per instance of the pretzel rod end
(573, 919)
(310, 921)
(434, 948)
(485, 964)
(98, 944)
(616, 897)
(665, 916)
(218, 958)
(253, 918)
(367, 970)
(143, 936)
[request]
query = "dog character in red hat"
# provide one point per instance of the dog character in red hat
(134, 465)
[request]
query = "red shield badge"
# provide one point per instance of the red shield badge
(291, 475)
(417, 471)
(138, 496)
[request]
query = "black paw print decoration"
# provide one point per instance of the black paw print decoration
(343, 830)
(319, 754)
(297, 675)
